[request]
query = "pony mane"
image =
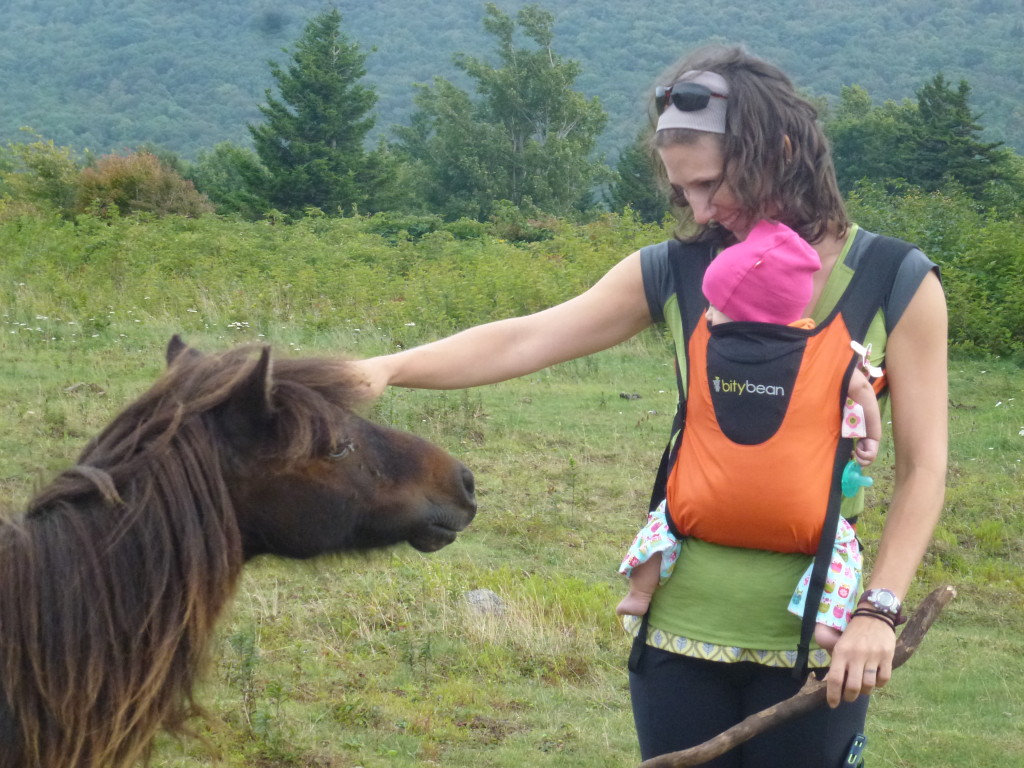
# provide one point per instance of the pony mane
(111, 583)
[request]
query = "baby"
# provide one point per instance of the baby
(769, 278)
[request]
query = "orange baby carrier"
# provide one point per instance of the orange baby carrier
(758, 410)
(756, 456)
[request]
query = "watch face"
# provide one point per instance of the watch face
(883, 599)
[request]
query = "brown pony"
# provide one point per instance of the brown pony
(112, 581)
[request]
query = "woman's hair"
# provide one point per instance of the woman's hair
(777, 160)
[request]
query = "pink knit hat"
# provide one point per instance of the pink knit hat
(767, 278)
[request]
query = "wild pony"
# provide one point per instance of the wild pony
(112, 581)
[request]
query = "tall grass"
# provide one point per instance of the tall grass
(382, 660)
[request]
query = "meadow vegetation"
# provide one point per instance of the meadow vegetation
(381, 660)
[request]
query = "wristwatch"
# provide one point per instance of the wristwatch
(884, 601)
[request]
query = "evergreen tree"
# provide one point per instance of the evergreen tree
(868, 142)
(311, 143)
(636, 183)
(928, 144)
(949, 147)
(528, 136)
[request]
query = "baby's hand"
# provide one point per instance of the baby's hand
(865, 451)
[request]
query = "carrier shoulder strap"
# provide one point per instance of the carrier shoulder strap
(687, 264)
(867, 292)
(871, 284)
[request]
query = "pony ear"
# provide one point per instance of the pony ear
(247, 413)
(254, 392)
(176, 348)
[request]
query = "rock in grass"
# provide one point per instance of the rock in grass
(485, 602)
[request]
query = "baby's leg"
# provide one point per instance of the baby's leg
(643, 580)
(826, 636)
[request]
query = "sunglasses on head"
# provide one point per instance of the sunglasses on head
(686, 97)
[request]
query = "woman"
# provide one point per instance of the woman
(738, 145)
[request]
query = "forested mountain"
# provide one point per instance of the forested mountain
(188, 74)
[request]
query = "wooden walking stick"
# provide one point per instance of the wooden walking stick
(811, 696)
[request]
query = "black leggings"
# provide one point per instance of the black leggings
(679, 702)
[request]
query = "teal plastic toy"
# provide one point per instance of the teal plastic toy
(853, 480)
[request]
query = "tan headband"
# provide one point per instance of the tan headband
(711, 118)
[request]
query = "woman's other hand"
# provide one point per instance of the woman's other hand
(861, 660)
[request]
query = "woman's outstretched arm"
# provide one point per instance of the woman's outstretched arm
(613, 310)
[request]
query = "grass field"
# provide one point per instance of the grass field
(380, 660)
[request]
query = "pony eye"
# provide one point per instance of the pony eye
(341, 451)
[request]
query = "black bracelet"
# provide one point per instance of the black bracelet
(876, 615)
(896, 620)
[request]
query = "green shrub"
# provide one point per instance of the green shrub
(328, 274)
(39, 175)
(980, 254)
(402, 226)
(466, 229)
(136, 183)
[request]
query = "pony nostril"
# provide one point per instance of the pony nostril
(468, 483)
